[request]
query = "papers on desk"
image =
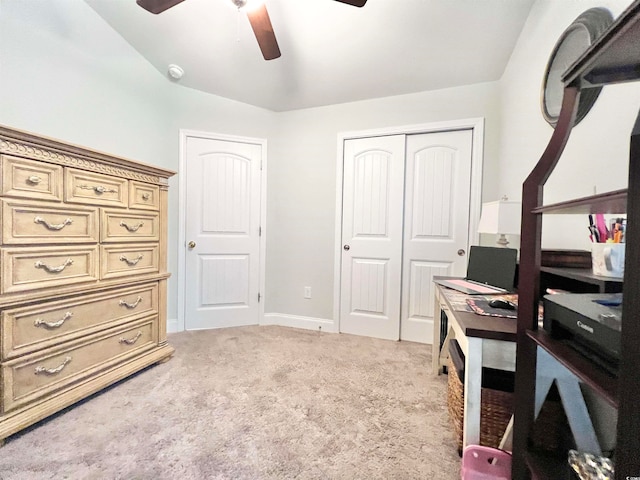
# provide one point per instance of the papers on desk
(460, 302)
(482, 307)
(457, 300)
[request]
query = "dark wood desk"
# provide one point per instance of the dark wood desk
(485, 341)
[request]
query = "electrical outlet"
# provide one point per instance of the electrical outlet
(307, 292)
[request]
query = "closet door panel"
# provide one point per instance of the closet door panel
(372, 236)
(436, 222)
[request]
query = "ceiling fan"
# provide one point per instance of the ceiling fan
(258, 18)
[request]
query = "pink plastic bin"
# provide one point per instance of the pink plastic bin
(485, 463)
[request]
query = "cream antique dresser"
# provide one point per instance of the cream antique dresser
(83, 286)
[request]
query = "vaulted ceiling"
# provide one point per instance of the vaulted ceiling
(331, 52)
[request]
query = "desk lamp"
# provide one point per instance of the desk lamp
(500, 218)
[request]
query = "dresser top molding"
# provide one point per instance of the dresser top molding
(36, 147)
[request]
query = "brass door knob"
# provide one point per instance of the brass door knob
(191, 244)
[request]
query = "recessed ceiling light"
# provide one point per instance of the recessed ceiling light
(175, 71)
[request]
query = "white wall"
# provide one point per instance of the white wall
(66, 74)
(597, 152)
(302, 183)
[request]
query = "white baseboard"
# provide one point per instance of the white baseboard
(421, 332)
(282, 319)
(297, 321)
(172, 325)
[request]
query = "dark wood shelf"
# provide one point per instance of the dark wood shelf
(610, 202)
(585, 275)
(544, 465)
(613, 58)
(587, 371)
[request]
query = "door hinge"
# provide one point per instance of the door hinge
(260, 231)
(259, 297)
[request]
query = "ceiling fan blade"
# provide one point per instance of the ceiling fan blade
(158, 6)
(262, 28)
(355, 3)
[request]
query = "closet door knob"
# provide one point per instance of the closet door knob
(461, 252)
(191, 244)
(346, 247)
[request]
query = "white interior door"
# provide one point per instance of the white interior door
(436, 222)
(222, 233)
(372, 236)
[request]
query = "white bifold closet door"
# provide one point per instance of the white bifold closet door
(405, 219)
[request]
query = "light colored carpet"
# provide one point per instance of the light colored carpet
(255, 403)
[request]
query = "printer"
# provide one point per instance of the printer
(589, 322)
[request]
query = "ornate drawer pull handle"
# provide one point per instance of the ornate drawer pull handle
(34, 179)
(130, 341)
(131, 263)
(58, 269)
(59, 226)
(42, 323)
(123, 303)
(99, 189)
(146, 196)
(52, 371)
(131, 228)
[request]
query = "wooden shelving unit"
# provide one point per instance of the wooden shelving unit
(613, 58)
(614, 202)
(580, 279)
(598, 379)
(543, 465)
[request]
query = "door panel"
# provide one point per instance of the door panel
(227, 280)
(372, 230)
(433, 191)
(368, 281)
(223, 205)
(420, 281)
(438, 184)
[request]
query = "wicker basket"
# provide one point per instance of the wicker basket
(455, 402)
(496, 408)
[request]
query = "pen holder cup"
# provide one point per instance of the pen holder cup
(607, 259)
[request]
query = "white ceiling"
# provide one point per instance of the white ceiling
(331, 52)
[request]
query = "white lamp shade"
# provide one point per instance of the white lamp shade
(500, 217)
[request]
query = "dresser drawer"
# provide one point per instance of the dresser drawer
(31, 179)
(124, 260)
(39, 267)
(95, 189)
(38, 222)
(144, 196)
(35, 327)
(129, 226)
(30, 378)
